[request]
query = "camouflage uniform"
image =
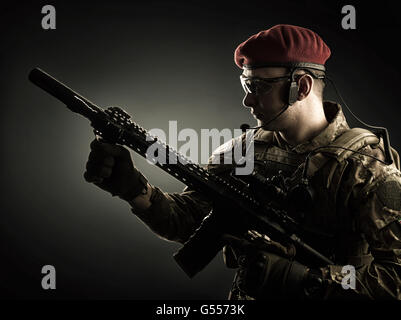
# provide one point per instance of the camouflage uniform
(355, 220)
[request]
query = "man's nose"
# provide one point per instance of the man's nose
(249, 100)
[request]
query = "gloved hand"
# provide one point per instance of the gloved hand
(111, 168)
(267, 270)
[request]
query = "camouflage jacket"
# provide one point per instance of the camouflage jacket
(356, 216)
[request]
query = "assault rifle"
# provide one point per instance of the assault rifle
(115, 126)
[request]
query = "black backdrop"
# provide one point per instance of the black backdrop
(161, 61)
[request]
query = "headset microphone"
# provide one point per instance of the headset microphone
(246, 126)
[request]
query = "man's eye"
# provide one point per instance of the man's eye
(262, 87)
(252, 87)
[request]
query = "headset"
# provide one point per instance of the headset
(294, 87)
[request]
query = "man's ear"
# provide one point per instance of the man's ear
(305, 83)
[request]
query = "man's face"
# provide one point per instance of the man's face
(266, 103)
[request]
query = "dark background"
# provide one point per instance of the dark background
(161, 61)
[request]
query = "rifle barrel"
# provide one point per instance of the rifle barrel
(73, 100)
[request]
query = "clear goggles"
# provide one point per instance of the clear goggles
(258, 85)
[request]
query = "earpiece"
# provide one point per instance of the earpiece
(294, 88)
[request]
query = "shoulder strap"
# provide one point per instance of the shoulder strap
(341, 148)
(352, 139)
(396, 157)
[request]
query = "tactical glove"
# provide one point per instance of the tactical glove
(111, 168)
(269, 272)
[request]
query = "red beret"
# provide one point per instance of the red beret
(283, 45)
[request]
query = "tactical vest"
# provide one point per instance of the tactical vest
(327, 173)
(331, 225)
(344, 146)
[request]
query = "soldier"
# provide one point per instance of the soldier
(354, 216)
